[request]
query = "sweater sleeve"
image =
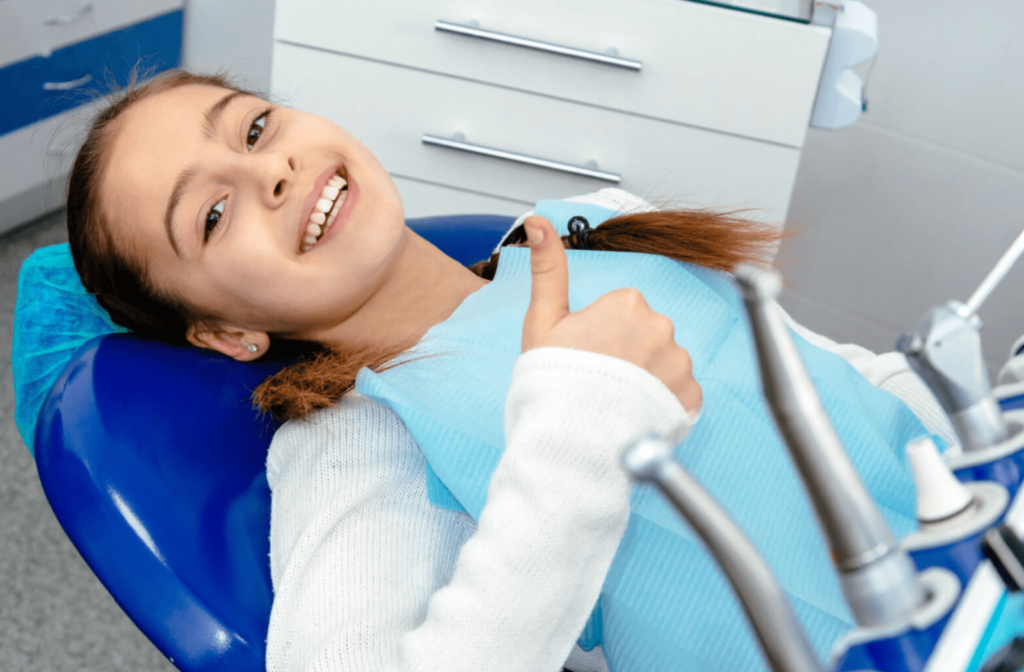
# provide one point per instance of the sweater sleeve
(369, 575)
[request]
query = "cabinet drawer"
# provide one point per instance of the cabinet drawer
(39, 87)
(38, 27)
(390, 108)
(705, 66)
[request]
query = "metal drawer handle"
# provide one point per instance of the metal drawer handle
(67, 86)
(593, 56)
(66, 19)
(522, 158)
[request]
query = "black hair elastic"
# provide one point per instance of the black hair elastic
(580, 228)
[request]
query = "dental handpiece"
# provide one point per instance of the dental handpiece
(878, 578)
(782, 639)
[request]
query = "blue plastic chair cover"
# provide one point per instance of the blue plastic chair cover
(53, 318)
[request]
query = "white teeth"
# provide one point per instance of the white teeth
(324, 211)
(335, 209)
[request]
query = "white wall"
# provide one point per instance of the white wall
(912, 205)
(236, 36)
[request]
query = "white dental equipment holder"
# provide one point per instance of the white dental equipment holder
(840, 99)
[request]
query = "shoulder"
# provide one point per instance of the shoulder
(356, 431)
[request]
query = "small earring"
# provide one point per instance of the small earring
(252, 348)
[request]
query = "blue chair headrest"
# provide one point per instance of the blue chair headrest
(152, 458)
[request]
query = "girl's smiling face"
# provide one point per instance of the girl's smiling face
(215, 191)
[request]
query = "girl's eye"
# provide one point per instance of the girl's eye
(213, 218)
(256, 130)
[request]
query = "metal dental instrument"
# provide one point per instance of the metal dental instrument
(878, 578)
(944, 348)
(782, 639)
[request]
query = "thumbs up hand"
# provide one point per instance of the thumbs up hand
(619, 324)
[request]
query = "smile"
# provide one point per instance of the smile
(325, 210)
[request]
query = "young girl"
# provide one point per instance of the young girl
(447, 503)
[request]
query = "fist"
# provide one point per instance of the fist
(619, 324)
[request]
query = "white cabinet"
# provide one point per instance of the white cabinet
(716, 114)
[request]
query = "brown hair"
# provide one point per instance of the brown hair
(117, 275)
(113, 272)
(703, 237)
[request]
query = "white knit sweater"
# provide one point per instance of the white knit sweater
(369, 575)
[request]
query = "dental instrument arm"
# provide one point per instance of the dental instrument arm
(944, 348)
(782, 639)
(877, 577)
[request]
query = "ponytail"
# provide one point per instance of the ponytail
(702, 237)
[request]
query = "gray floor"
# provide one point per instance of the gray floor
(54, 615)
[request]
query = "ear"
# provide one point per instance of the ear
(234, 343)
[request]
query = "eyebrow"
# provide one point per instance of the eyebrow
(210, 120)
(180, 185)
(213, 114)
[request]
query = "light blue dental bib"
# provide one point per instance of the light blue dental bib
(664, 605)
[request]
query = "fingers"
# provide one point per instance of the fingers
(645, 338)
(674, 368)
(549, 295)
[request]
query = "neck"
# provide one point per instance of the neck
(424, 289)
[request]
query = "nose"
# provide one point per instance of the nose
(275, 177)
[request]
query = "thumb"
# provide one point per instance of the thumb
(549, 295)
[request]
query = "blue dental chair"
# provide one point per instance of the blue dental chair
(152, 458)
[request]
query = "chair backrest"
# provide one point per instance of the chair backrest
(152, 458)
